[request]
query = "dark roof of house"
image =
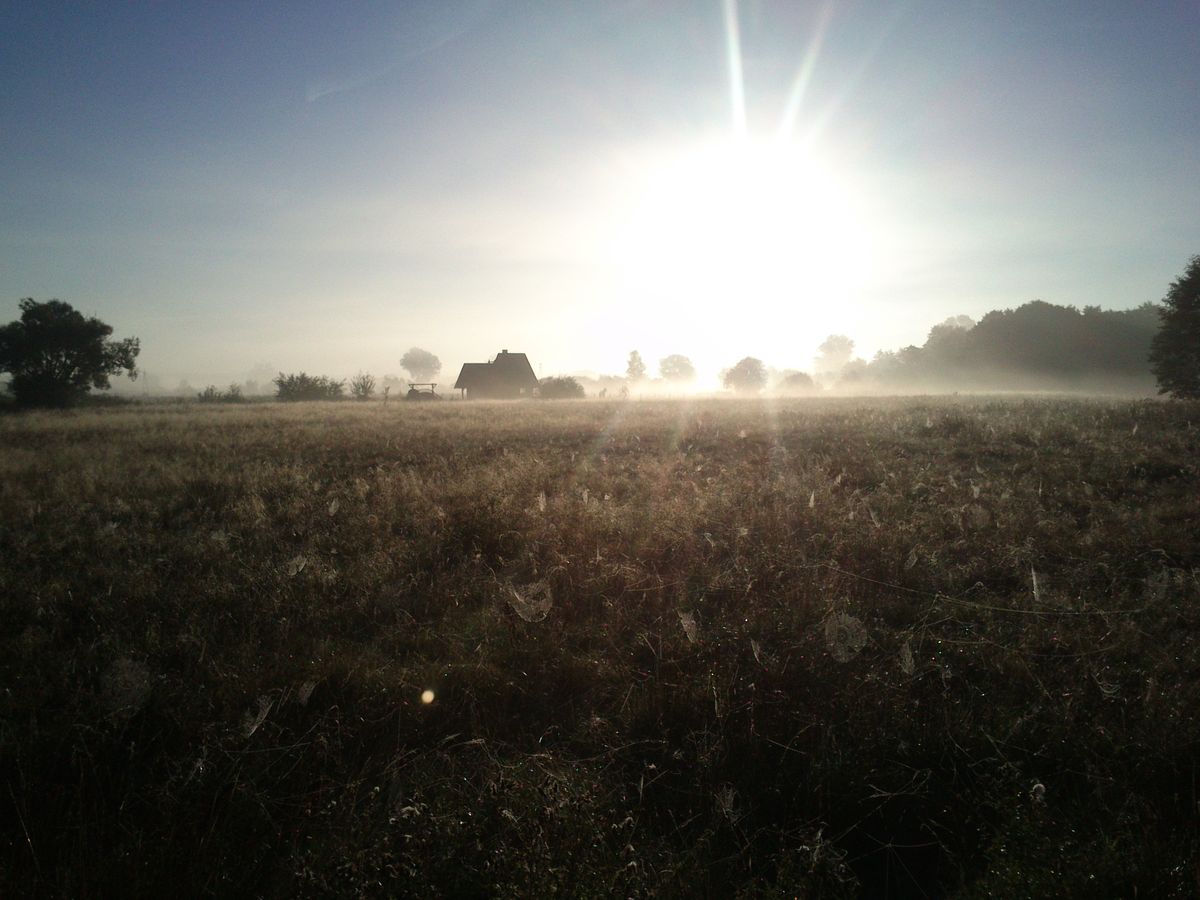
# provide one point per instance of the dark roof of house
(510, 370)
(472, 374)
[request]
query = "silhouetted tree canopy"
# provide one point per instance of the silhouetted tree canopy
(560, 387)
(835, 351)
(676, 368)
(1035, 345)
(421, 365)
(749, 376)
(55, 355)
(1175, 348)
(635, 369)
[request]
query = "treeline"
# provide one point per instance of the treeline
(1035, 346)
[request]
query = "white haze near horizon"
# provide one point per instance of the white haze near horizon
(575, 182)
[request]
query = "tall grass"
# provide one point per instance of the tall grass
(827, 648)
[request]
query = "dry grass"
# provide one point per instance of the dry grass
(898, 647)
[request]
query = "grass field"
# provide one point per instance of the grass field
(917, 647)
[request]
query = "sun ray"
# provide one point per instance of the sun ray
(787, 122)
(737, 89)
(605, 436)
(818, 122)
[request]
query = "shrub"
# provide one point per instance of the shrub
(307, 387)
(797, 383)
(362, 386)
(560, 387)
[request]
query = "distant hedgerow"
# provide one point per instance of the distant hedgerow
(212, 394)
(307, 387)
(560, 387)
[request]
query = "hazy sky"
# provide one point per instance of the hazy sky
(320, 186)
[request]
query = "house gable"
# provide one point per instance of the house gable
(508, 376)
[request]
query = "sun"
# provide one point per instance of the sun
(754, 215)
(726, 243)
(742, 225)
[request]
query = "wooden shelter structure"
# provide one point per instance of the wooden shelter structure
(507, 377)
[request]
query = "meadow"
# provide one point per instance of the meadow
(822, 648)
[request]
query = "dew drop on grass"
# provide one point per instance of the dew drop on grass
(305, 692)
(252, 721)
(532, 602)
(124, 687)
(845, 636)
(690, 628)
(977, 517)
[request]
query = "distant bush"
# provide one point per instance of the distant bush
(307, 387)
(560, 388)
(797, 383)
(212, 395)
(362, 386)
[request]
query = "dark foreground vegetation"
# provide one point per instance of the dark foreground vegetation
(905, 648)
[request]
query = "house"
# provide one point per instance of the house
(507, 377)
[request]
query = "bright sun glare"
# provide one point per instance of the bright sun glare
(744, 226)
(746, 217)
(742, 243)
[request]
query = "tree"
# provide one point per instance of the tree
(362, 386)
(1175, 349)
(677, 368)
(55, 355)
(749, 376)
(836, 350)
(421, 364)
(635, 369)
(560, 387)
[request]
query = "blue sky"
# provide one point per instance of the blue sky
(320, 186)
